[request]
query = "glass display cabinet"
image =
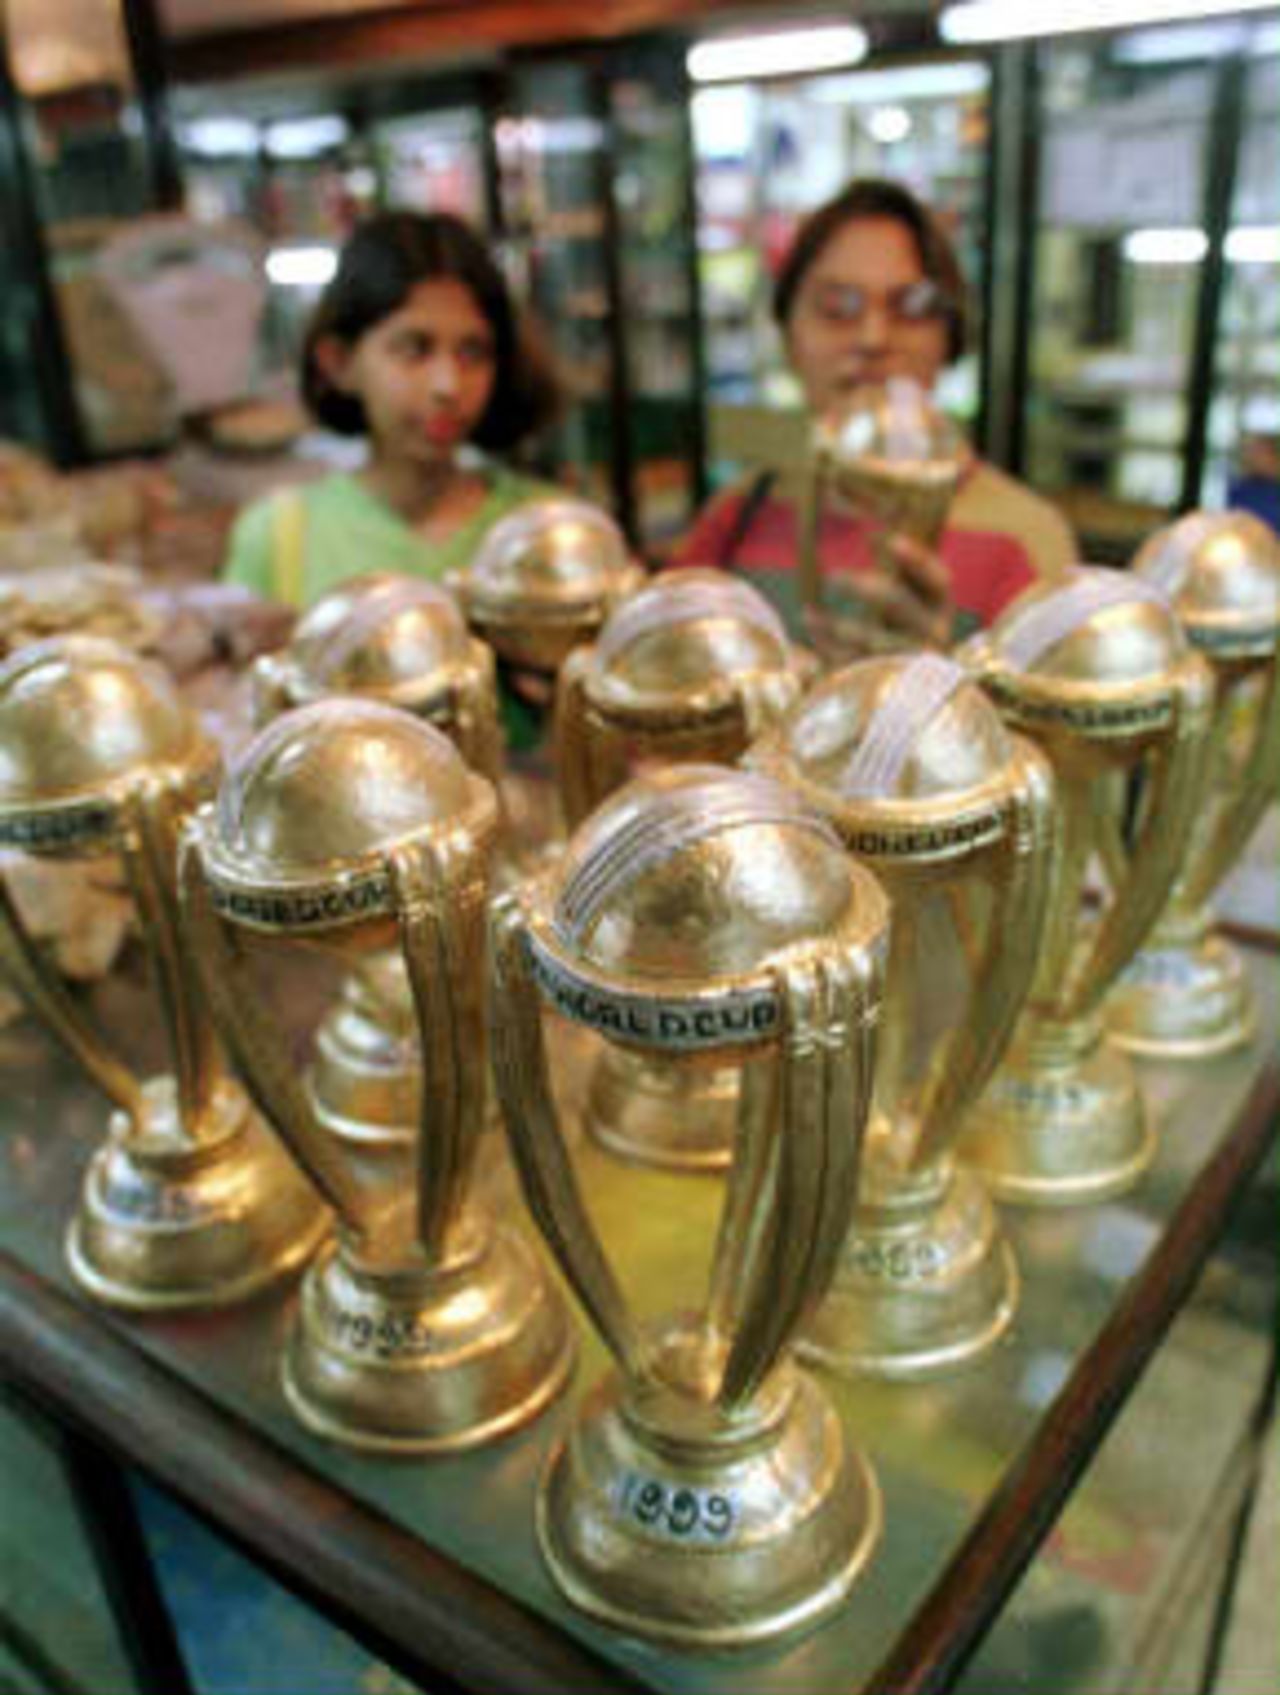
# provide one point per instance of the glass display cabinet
(1244, 412)
(594, 193)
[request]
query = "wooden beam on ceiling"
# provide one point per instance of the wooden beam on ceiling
(432, 29)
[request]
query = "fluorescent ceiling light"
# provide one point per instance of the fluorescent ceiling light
(1253, 244)
(1011, 20)
(901, 87)
(1165, 247)
(303, 138)
(220, 138)
(301, 267)
(889, 124)
(1247, 244)
(781, 52)
(1182, 44)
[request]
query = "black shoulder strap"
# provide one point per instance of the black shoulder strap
(752, 500)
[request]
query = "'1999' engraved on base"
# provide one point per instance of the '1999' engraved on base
(898, 1262)
(736, 1015)
(677, 1513)
(388, 1337)
(152, 1203)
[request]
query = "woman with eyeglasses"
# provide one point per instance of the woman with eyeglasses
(871, 290)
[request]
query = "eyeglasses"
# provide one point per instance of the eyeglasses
(916, 303)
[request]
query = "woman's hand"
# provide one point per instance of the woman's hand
(902, 600)
(909, 591)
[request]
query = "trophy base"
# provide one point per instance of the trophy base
(754, 1524)
(427, 1359)
(1062, 1123)
(1182, 999)
(925, 1284)
(664, 1113)
(166, 1223)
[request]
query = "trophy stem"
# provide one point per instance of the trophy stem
(43, 989)
(1054, 982)
(150, 856)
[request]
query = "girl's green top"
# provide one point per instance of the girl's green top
(297, 544)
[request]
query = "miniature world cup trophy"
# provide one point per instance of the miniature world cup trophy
(912, 765)
(892, 459)
(429, 1325)
(404, 643)
(192, 1201)
(1096, 670)
(1185, 994)
(690, 669)
(545, 578)
(705, 1492)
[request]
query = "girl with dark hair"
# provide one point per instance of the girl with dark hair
(871, 290)
(417, 345)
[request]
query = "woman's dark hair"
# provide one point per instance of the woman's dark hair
(379, 267)
(872, 197)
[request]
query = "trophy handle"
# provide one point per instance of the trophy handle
(149, 848)
(589, 762)
(1005, 966)
(440, 916)
(537, 1142)
(259, 1055)
(268, 693)
(749, 1201)
(824, 1083)
(1251, 789)
(479, 736)
(40, 985)
(1176, 774)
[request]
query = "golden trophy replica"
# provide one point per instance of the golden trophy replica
(403, 642)
(1096, 669)
(544, 579)
(428, 1326)
(398, 640)
(893, 459)
(690, 669)
(922, 781)
(191, 1202)
(1185, 994)
(705, 1493)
